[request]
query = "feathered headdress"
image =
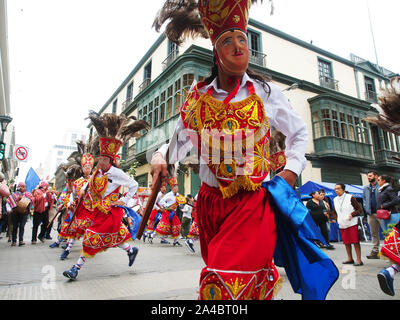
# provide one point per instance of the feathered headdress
(72, 168)
(389, 102)
(114, 130)
(205, 18)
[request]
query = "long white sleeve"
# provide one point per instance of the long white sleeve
(116, 178)
(285, 119)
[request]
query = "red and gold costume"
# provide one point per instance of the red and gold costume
(221, 279)
(170, 225)
(391, 246)
(194, 228)
(106, 229)
(234, 219)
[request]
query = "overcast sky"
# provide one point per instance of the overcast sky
(69, 56)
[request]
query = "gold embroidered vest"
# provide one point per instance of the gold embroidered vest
(94, 197)
(79, 184)
(231, 137)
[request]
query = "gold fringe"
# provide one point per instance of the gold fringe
(383, 257)
(277, 286)
(242, 182)
(91, 256)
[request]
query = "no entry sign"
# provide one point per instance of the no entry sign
(21, 153)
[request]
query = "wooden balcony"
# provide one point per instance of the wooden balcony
(333, 147)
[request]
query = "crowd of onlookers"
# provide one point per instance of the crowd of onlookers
(18, 205)
(379, 208)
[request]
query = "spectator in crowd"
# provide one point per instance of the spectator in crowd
(4, 192)
(52, 211)
(42, 202)
(388, 199)
(327, 204)
(370, 204)
(320, 216)
(18, 207)
(346, 209)
(186, 216)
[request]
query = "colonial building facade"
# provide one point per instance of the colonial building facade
(332, 94)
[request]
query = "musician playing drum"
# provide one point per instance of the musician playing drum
(18, 206)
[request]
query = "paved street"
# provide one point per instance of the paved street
(161, 272)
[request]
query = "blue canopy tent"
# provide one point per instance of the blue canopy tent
(310, 186)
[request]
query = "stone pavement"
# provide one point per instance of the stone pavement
(160, 272)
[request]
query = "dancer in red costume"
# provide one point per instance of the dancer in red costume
(83, 218)
(155, 217)
(228, 118)
(170, 225)
(101, 197)
(389, 120)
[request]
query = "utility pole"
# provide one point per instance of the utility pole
(372, 32)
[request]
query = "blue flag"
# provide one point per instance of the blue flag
(31, 180)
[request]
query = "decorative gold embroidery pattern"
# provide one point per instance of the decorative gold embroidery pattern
(234, 139)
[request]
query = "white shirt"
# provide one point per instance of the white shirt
(134, 202)
(157, 205)
(118, 178)
(279, 113)
(344, 208)
(168, 200)
(187, 211)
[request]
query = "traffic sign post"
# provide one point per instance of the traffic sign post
(21, 153)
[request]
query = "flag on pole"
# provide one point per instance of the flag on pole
(31, 180)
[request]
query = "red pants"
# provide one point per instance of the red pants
(237, 239)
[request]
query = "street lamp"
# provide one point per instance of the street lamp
(4, 122)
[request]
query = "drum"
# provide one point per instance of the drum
(22, 205)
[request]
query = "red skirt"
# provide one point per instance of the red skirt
(350, 235)
(107, 231)
(194, 229)
(83, 220)
(237, 240)
(152, 220)
(167, 227)
(68, 232)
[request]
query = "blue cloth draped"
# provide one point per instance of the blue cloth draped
(135, 220)
(310, 271)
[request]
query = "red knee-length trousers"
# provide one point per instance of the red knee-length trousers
(237, 239)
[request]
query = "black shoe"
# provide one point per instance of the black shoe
(330, 247)
(41, 239)
(348, 262)
(358, 264)
(176, 243)
(132, 255)
(373, 256)
(48, 237)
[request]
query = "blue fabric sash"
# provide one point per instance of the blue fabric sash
(310, 271)
(135, 219)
